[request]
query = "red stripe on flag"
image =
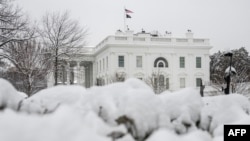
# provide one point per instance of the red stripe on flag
(128, 11)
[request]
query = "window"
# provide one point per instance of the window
(198, 62)
(167, 83)
(182, 62)
(198, 82)
(182, 83)
(139, 61)
(160, 65)
(161, 80)
(161, 62)
(121, 61)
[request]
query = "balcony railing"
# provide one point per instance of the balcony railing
(151, 40)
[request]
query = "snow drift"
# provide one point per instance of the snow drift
(9, 97)
(125, 111)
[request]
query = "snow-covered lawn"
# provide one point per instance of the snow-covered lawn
(125, 111)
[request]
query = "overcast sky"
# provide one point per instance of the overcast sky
(225, 22)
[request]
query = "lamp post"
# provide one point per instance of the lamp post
(228, 77)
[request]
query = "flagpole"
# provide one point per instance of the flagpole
(124, 14)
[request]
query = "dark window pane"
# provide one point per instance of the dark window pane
(121, 61)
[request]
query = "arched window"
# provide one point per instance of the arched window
(160, 65)
(161, 62)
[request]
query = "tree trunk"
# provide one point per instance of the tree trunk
(29, 90)
(28, 86)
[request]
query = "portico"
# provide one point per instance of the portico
(74, 71)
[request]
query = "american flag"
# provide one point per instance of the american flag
(128, 11)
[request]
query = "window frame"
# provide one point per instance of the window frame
(198, 82)
(139, 62)
(182, 64)
(182, 82)
(160, 64)
(161, 80)
(167, 83)
(161, 59)
(198, 62)
(121, 61)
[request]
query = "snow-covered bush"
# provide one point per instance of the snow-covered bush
(65, 124)
(24, 95)
(224, 109)
(183, 107)
(48, 100)
(163, 135)
(136, 103)
(9, 97)
(132, 98)
(126, 111)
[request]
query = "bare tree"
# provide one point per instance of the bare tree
(63, 36)
(2, 63)
(13, 25)
(2, 67)
(157, 82)
(30, 65)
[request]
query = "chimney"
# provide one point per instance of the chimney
(119, 32)
(189, 34)
(129, 33)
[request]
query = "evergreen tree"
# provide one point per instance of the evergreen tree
(240, 61)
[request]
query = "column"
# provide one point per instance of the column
(51, 80)
(94, 73)
(76, 73)
(68, 73)
(87, 76)
(83, 80)
(205, 64)
(91, 74)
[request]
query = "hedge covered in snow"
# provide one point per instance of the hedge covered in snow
(125, 111)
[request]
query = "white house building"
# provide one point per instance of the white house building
(171, 62)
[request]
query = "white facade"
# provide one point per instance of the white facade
(181, 62)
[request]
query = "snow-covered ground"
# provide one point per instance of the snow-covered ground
(125, 111)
